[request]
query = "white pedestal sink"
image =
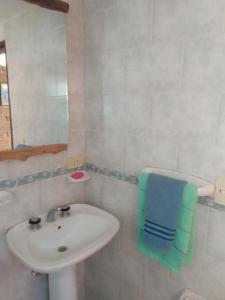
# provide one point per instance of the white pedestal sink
(58, 246)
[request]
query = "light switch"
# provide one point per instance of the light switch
(220, 190)
(75, 161)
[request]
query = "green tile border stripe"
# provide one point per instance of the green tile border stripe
(112, 173)
(43, 175)
(207, 201)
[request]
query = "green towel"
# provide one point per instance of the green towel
(182, 249)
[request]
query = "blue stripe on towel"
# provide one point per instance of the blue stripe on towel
(159, 236)
(160, 231)
(160, 225)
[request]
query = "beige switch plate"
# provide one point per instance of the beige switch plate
(75, 161)
(220, 190)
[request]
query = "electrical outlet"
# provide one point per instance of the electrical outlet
(75, 161)
(220, 191)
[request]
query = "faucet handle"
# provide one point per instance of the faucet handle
(35, 223)
(64, 210)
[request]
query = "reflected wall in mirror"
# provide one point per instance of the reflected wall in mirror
(34, 96)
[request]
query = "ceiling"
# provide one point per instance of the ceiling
(8, 8)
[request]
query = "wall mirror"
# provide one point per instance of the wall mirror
(33, 80)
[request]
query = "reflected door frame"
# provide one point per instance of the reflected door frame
(3, 50)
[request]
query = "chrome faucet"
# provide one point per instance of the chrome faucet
(64, 211)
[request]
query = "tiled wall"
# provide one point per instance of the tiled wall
(154, 88)
(16, 282)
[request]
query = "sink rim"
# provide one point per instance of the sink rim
(68, 260)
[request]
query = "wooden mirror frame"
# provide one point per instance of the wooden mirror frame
(51, 4)
(23, 154)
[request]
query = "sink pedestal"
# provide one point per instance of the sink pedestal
(63, 284)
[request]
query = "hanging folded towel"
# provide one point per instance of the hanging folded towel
(162, 207)
(171, 204)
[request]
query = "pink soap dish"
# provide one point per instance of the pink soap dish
(78, 176)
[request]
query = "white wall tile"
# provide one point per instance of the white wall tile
(119, 198)
(204, 20)
(183, 116)
(94, 189)
(59, 191)
(154, 69)
(169, 19)
(119, 20)
(206, 162)
(113, 70)
(106, 152)
(12, 286)
(215, 241)
(158, 284)
(93, 75)
(129, 292)
(102, 284)
(204, 64)
(142, 151)
(220, 139)
(25, 203)
(4, 174)
(93, 112)
(90, 6)
(154, 76)
(93, 31)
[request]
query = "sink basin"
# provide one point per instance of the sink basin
(57, 247)
(65, 241)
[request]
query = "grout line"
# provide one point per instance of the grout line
(152, 21)
(219, 119)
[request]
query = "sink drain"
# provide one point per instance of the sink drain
(62, 249)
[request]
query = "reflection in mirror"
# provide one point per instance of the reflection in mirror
(33, 95)
(5, 119)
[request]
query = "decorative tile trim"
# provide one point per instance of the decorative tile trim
(112, 173)
(44, 175)
(134, 180)
(22, 180)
